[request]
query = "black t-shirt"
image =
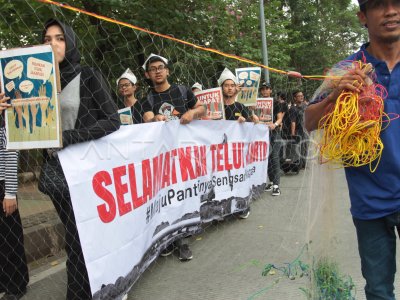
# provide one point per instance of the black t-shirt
(137, 112)
(172, 103)
(296, 114)
(235, 110)
(279, 107)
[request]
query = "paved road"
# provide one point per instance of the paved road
(229, 256)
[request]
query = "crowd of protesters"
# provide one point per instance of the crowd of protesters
(89, 112)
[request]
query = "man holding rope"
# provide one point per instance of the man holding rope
(375, 197)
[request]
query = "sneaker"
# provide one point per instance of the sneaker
(245, 214)
(168, 251)
(185, 253)
(268, 187)
(275, 190)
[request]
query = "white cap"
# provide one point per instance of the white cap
(128, 74)
(152, 55)
(197, 86)
(225, 75)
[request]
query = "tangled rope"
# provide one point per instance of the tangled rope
(351, 130)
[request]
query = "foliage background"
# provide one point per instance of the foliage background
(307, 36)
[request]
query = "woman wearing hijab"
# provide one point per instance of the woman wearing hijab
(87, 112)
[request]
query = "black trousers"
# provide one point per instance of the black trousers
(55, 185)
(13, 268)
(274, 163)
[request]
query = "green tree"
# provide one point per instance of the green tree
(303, 35)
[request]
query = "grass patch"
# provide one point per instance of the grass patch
(329, 284)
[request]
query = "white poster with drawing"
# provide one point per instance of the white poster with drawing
(28, 77)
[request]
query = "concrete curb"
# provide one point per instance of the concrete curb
(43, 235)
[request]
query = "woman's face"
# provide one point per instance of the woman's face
(55, 36)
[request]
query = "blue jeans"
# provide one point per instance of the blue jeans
(377, 248)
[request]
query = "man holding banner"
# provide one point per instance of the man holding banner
(167, 102)
(234, 110)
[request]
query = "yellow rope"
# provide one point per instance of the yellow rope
(351, 131)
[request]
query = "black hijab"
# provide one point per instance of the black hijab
(69, 67)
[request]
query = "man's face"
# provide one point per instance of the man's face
(126, 88)
(299, 98)
(382, 19)
(157, 72)
(266, 92)
(229, 88)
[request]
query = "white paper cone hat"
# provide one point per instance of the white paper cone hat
(197, 86)
(225, 75)
(128, 74)
(154, 55)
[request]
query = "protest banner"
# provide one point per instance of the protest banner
(214, 101)
(264, 109)
(28, 77)
(139, 189)
(249, 80)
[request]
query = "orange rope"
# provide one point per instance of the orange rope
(107, 19)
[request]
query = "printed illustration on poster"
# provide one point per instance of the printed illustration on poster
(29, 77)
(264, 109)
(214, 102)
(249, 80)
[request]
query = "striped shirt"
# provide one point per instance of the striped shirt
(8, 166)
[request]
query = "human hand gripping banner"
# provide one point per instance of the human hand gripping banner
(137, 190)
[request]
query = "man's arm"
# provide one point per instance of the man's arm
(278, 122)
(254, 118)
(249, 115)
(315, 112)
(293, 128)
(198, 111)
(149, 116)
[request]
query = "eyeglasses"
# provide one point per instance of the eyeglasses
(157, 69)
(125, 85)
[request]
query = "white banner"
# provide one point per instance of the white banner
(144, 186)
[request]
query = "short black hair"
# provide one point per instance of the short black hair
(266, 85)
(282, 95)
(296, 92)
(154, 59)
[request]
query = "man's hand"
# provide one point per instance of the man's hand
(352, 81)
(187, 117)
(159, 117)
(272, 126)
(241, 119)
(255, 119)
(9, 206)
(3, 102)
